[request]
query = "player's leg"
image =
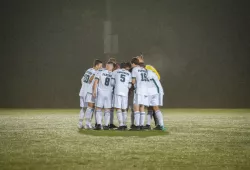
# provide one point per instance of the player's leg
(158, 113)
(142, 116)
(99, 106)
(149, 117)
(90, 109)
(88, 117)
(112, 126)
(124, 105)
(81, 114)
(137, 111)
(107, 105)
(117, 105)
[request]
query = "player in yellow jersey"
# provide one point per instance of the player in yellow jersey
(150, 109)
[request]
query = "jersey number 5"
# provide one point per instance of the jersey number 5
(107, 80)
(122, 78)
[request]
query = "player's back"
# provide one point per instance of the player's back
(140, 74)
(86, 80)
(154, 84)
(122, 81)
(104, 78)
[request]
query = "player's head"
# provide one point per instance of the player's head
(122, 65)
(135, 62)
(140, 58)
(127, 66)
(97, 64)
(112, 60)
(110, 65)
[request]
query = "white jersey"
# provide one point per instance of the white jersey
(154, 85)
(122, 79)
(141, 85)
(86, 84)
(104, 78)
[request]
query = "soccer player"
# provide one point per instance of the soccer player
(85, 94)
(155, 96)
(150, 108)
(112, 126)
(122, 82)
(103, 87)
(139, 80)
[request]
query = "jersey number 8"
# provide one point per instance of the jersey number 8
(107, 80)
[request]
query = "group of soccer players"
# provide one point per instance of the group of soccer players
(109, 89)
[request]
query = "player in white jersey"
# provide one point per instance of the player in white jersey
(122, 82)
(155, 98)
(103, 87)
(140, 81)
(85, 94)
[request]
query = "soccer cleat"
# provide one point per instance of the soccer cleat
(132, 126)
(88, 127)
(105, 127)
(147, 127)
(158, 127)
(98, 127)
(163, 128)
(80, 126)
(141, 127)
(125, 127)
(112, 126)
(121, 128)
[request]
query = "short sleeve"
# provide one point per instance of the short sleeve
(134, 73)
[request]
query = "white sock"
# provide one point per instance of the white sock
(132, 117)
(159, 117)
(111, 116)
(99, 117)
(149, 116)
(107, 117)
(88, 116)
(137, 118)
(119, 117)
(81, 116)
(124, 116)
(142, 118)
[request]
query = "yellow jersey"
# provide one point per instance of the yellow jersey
(149, 67)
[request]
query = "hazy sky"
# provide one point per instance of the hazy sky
(201, 47)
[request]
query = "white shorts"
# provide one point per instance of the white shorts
(82, 102)
(140, 99)
(104, 99)
(155, 100)
(89, 98)
(120, 102)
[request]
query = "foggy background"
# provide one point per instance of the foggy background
(200, 47)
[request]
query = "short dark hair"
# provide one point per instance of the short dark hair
(110, 62)
(135, 61)
(96, 62)
(128, 64)
(123, 65)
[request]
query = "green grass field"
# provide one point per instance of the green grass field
(195, 139)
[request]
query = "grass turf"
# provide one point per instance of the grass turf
(196, 139)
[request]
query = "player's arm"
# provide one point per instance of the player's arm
(133, 76)
(95, 86)
(91, 78)
(97, 77)
(113, 78)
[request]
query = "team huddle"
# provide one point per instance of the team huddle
(110, 89)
